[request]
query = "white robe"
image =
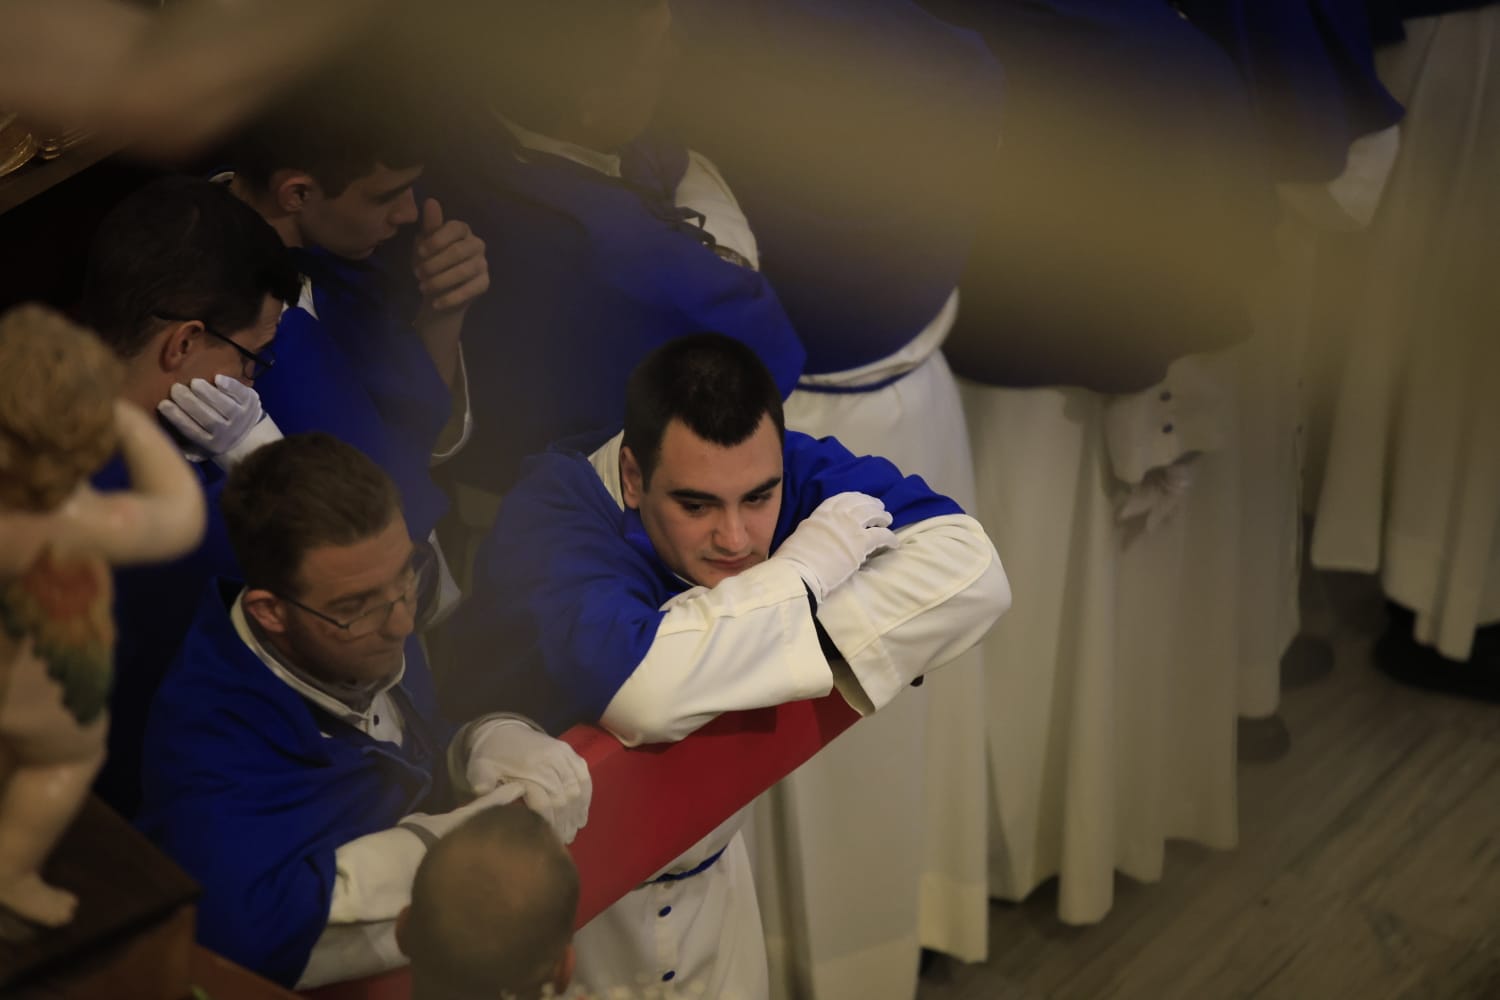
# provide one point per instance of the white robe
(1411, 485)
(876, 848)
(1112, 728)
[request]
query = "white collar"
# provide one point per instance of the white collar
(606, 462)
(298, 680)
(304, 299)
(605, 163)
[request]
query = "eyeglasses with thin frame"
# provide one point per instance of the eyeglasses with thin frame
(253, 364)
(417, 594)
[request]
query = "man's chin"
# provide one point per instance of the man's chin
(712, 572)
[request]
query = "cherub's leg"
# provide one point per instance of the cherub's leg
(36, 806)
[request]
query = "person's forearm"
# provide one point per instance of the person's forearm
(912, 609)
(440, 333)
(748, 643)
(372, 876)
(163, 83)
(163, 513)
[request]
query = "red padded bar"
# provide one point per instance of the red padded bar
(393, 985)
(652, 803)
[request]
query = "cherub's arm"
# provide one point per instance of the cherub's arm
(161, 516)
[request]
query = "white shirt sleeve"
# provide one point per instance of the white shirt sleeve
(911, 609)
(749, 642)
(372, 883)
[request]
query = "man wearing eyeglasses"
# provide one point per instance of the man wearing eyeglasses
(186, 285)
(187, 288)
(295, 764)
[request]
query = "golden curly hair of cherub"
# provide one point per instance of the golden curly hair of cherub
(57, 397)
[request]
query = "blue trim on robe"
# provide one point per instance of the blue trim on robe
(858, 136)
(154, 606)
(568, 586)
(359, 375)
(247, 794)
(588, 275)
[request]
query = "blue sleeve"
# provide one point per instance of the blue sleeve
(385, 353)
(564, 605)
(314, 387)
(237, 823)
(153, 610)
(819, 468)
(258, 825)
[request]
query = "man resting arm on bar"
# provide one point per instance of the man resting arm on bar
(707, 561)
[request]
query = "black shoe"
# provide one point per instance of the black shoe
(1402, 658)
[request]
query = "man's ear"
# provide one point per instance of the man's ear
(267, 610)
(402, 919)
(632, 483)
(178, 343)
(291, 190)
(562, 976)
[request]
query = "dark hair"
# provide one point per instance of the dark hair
(338, 126)
(492, 908)
(182, 247)
(538, 56)
(297, 494)
(714, 384)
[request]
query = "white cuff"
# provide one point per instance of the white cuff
(263, 433)
(447, 446)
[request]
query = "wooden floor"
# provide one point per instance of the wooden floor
(1368, 866)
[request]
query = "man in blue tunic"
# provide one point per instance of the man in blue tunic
(707, 561)
(185, 284)
(295, 763)
(336, 183)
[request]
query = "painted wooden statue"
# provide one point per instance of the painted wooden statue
(60, 419)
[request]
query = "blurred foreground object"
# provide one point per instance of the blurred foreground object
(17, 144)
(59, 420)
(165, 83)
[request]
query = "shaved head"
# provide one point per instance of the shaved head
(492, 909)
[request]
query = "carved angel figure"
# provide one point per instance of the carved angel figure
(60, 420)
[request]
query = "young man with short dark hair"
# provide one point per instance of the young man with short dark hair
(332, 169)
(709, 561)
(295, 736)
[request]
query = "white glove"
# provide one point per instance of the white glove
(835, 540)
(222, 421)
(1159, 494)
(439, 825)
(554, 780)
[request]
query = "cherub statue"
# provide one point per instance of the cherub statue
(60, 419)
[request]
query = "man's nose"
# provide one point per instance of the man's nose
(402, 620)
(731, 535)
(405, 212)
